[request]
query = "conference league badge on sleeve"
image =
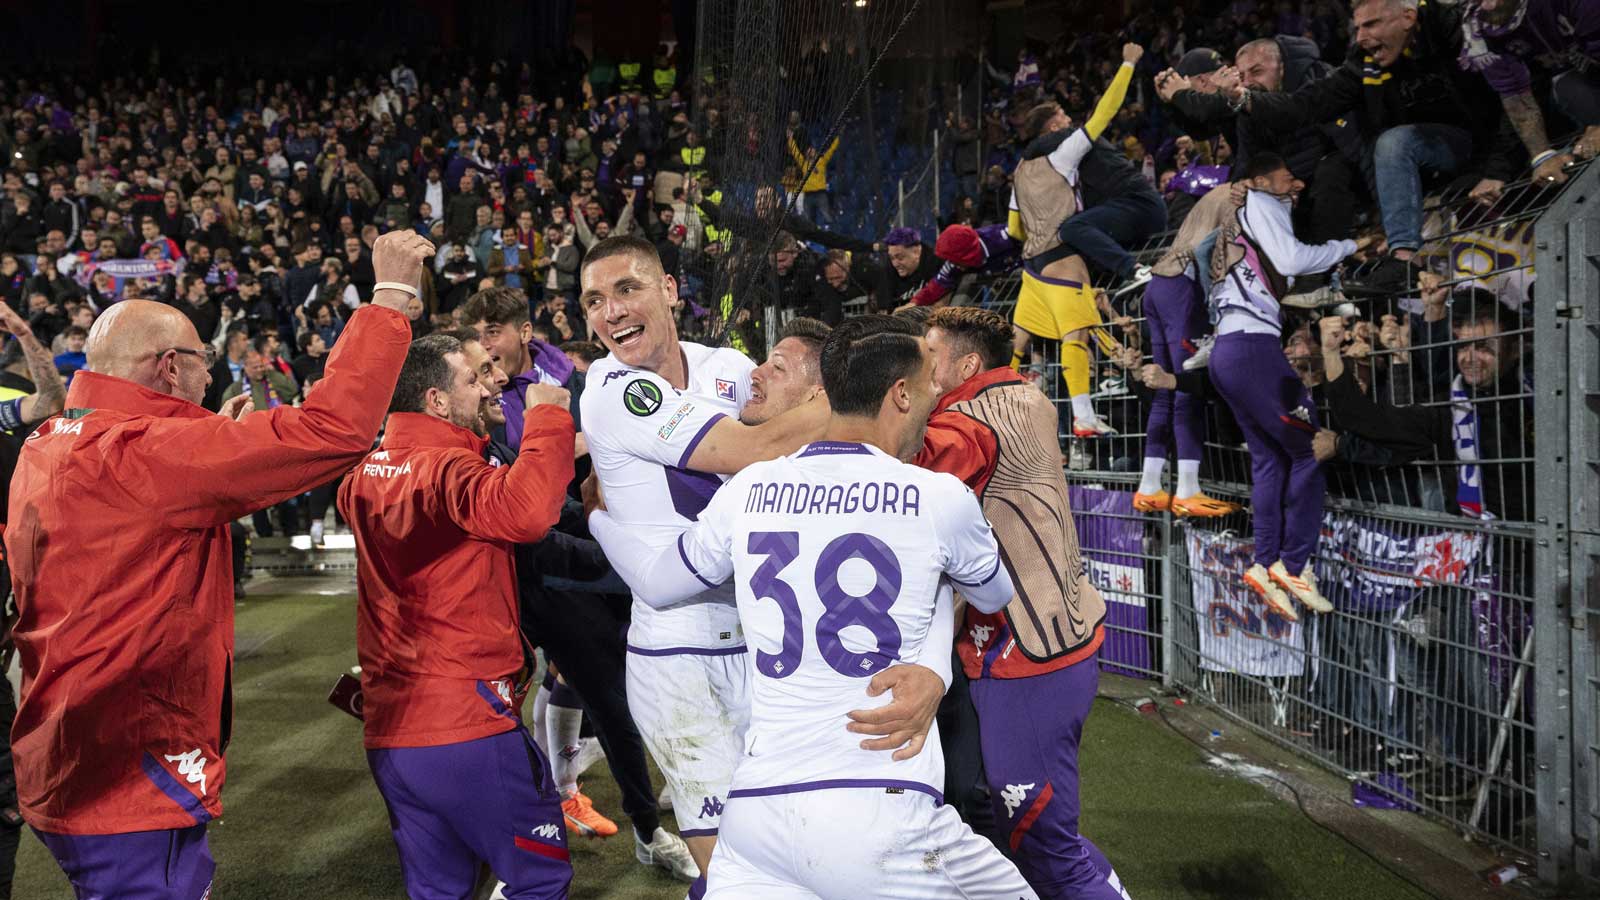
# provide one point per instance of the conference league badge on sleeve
(642, 397)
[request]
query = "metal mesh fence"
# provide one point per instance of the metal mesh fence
(1426, 363)
(1420, 685)
(822, 123)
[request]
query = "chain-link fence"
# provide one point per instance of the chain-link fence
(1452, 678)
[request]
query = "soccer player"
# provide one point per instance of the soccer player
(1033, 665)
(560, 621)
(662, 420)
(842, 559)
(442, 660)
(1252, 269)
(125, 595)
(1076, 196)
(1175, 307)
(792, 374)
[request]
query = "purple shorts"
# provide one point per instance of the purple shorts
(139, 865)
(457, 806)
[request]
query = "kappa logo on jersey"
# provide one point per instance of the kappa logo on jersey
(192, 766)
(672, 423)
(710, 806)
(725, 390)
(65, 426)
(617, 374)
(548, 832)
(1013, 795)
(981, 635)
(641, 397)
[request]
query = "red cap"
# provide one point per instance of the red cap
(961, 245)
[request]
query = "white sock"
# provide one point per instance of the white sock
(541, 703)
(1188, 478)
(1153, 470)
(1082, 408)
(564, 724)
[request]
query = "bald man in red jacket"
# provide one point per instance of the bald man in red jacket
(121, 560)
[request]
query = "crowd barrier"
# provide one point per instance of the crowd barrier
(1457, 676)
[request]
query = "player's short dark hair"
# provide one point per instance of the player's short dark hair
(916, 315)
(1479, 306)
(425, 367)
(462, 334)
(623, 245)
(1262, 164)
(864, 357)
(811, 332)
(497, 306)
(588, 351)
(974, 330)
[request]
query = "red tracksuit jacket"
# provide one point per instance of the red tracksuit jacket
(962, 446)
(122, 563)
(435, 525)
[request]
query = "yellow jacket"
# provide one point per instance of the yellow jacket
(819, 176)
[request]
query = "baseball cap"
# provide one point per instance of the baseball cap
(678, 231)
(300, 164)
(1199, 61)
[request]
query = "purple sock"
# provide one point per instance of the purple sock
(698, 889)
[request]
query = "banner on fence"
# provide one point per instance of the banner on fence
(1238, 632)
(1112, 538)
(1367, 566)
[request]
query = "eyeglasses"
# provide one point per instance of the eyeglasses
(207, 355)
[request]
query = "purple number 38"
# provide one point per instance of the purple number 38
(841, 609)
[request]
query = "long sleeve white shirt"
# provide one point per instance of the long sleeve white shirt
(1241, 296)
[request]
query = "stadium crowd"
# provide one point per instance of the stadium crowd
(1211, 174)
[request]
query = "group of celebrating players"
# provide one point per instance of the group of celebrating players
(788, 568)
(793, 581)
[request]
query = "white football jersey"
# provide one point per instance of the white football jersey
(641, 433)
(842, 558)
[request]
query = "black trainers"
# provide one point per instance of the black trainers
(1381, 278)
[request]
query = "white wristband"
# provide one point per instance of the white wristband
(395, 286)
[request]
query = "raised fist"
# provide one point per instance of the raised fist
(399, 256)
(546, 395)
(1132, 53)
(1332, 332)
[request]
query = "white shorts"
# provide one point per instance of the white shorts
(692, 710)
(855, 844)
